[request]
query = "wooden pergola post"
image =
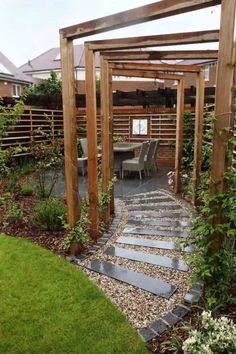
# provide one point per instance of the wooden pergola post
(91, 111)
(112, 202)
(70, 130)
(223, 95)
(179, 135)
(105, 125)
(223, 109)
(198, 133)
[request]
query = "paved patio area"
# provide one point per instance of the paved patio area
(130, 185)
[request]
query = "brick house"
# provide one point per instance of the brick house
(41, 66)
(12, 81)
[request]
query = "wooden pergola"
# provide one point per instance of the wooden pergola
(112, 54)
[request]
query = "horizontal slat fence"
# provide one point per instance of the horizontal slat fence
(160, 125)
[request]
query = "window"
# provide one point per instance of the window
(140, 126)
(16, 90)
(207, 73)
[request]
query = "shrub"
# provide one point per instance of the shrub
(49, 214)
(13, 213)
(214, 336)
(27, 189)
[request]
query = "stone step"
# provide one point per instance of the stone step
(153, 285)
(159, 206)
(165, 214)
(146, 195)
(159, 223)
(145, 242)
(148, 200)
(162, 261)
(167, 233)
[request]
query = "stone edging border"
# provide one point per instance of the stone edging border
(172, 317)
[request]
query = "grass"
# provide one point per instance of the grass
(49, 306)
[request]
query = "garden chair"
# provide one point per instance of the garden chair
(84, 146)
(137, 163)
(150, 158)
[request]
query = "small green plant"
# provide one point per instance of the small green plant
(79, 233)
(27, 189)
(118, 139)
(13, 213)
(49, 214)
(214, 336)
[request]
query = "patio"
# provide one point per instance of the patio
(130, 185)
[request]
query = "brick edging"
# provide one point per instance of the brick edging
(159, 326)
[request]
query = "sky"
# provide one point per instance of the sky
(30, 27)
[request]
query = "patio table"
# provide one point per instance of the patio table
(123, 151)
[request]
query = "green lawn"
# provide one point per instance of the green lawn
(49, 306)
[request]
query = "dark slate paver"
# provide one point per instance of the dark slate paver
(159, 223)
(148, 200)
(139, 280)
(145, 242)
(159, 326)
(149, 206)
(149, 258)
(147, 334)
(164, 214)
(154, 232)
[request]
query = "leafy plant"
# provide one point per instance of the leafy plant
(27, 189)
(49, 214)
(188, 141)
(8, 120)
(48, 87)
(13, 212)
(213, 237)
(48, 158)
(79, 232)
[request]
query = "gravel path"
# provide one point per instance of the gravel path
(138, 305)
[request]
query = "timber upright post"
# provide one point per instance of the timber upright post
(199, 122)
(104, 87)
(111, 164)
(179, 135)
(91, 112)
(223, 107)
(70, 130)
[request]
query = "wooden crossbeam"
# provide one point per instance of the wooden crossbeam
(154, 11)
(155, 41)
(146, 74)
(157, 67)
(160, 55)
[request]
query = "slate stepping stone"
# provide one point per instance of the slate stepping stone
(167, 233)
(145, 242)
(167, 214)
(149, 258)
(159, 206)
(159, 223)
(139, 280)
(145, 195)
(148, 200)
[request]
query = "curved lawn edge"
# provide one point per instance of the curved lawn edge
(49, 306)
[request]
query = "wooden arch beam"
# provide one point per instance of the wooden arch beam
(160, 55)
(157, 67)
(146, 74)
(155, 41)
(154, 11)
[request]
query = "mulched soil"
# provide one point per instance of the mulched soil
(26, 228)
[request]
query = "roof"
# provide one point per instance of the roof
(50, 60)
(9, 72)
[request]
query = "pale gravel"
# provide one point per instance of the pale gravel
(140, 307)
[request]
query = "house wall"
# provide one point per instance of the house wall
(5, 90)
(190, 78)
